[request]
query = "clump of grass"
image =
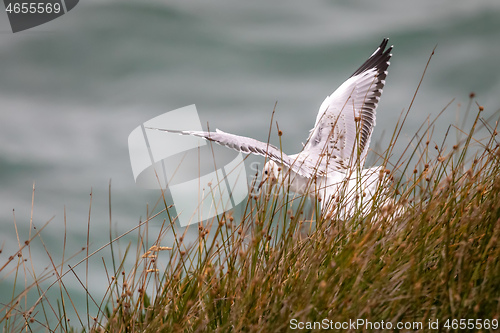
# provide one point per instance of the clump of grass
(430, 254)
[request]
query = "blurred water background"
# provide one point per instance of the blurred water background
(73, 89)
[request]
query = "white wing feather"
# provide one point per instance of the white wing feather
(251, 146)
(345, 121)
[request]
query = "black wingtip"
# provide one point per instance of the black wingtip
(384, 43)
(379, 59)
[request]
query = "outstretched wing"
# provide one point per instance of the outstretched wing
(252, 146)
(344, 125)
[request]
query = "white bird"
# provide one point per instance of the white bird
(330, 165)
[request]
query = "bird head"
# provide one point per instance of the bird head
(271, 173)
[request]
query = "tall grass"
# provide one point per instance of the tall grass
(431, 253)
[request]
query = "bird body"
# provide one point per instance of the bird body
(340, 194)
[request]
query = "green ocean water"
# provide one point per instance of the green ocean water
(73, 89)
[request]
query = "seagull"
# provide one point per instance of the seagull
(330, 165)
